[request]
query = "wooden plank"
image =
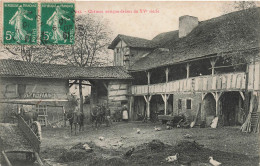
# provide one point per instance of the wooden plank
(214, 82)
(181, 85)
(6, 159)
(185, 85)
(38, 159)
(189, 84)
(251, 76)
(197, 81)
(234, 81)
(117, 92)
(229, 80)
(219, 82)
(209, 83)
(224, 82)
(238, 82)
(257, 77)
(205, 83)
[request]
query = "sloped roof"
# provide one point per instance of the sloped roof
(131, 41)
(16, 68)
(231, 32)
(165, 37)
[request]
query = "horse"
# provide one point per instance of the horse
(75, 118)
(96, 116)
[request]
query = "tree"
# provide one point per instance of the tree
(91, 40)
(34, 53)
(238, 5)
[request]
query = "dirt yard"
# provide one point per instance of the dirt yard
(110, 144)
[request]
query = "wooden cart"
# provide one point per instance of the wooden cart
(20, 138)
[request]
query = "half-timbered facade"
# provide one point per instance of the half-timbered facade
(200, 63)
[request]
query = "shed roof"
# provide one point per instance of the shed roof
(131, 41)
(16, 68)
(235, 31)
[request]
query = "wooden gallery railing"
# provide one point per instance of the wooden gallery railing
(221, 82)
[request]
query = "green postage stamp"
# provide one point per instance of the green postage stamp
(57, 23)
(20, 23)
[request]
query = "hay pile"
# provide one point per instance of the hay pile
(77, 152)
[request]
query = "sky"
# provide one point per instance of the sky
(160, 16)
(147, 25)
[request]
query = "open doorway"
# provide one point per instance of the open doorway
(231, 104)
(208, 109)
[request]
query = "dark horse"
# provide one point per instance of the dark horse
(96, 116)
(99, 115)
(75, 118)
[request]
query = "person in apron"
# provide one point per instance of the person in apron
(125, 113)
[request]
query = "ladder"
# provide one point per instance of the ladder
(255, 121)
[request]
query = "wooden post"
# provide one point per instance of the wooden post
(148, 99)
(213, 62)
(188, 70)
(165, 99)
(6, 159)
(167, 74)
(38, 159)
(131, 107)
(81, 96)
(148, 78)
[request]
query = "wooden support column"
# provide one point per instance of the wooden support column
(80, 96)
(148, 99)
(217, 96)
(165, 99)
(213, 62)
(131, 107)
(167, 74)
(148, 77)
(188, 70)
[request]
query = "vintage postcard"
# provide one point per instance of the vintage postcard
(129, 83)
(20, 23)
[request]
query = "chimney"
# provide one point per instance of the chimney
(187, 24)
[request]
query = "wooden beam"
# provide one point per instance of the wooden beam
(148, 77)
(167, 74)
(188, 69)
(242, 95)
(6, 159)
(213, 62)
(70, 84)
(145, 99)
(38, 159)
(105, 85)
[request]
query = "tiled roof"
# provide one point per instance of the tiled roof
(15, 68)
(228, 33)
(131, 41)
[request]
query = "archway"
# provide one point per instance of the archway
(208, 109)
(231, 104)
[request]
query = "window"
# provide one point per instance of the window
(179, 104)
(11, 88)
(188, 104)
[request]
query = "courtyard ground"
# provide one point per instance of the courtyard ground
(227, 145)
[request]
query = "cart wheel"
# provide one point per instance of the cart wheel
(30, 157)
(36, 128)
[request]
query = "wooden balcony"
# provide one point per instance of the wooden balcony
(221, 82)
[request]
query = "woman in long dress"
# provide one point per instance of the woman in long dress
(54, 21)
(17, 21)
